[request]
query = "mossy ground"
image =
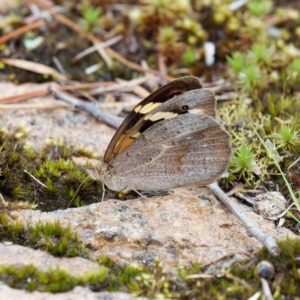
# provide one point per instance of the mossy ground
(238, 282)
(50, 236)
(48, 180)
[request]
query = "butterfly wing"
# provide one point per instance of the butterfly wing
(187, 149)
(163, 94)
(194, 101)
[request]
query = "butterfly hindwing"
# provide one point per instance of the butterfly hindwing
(191, 148)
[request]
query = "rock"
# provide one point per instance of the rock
(180, 227)
(270, 205)
(78, 293)
(63, 123)
(265, 269)
(16, 255)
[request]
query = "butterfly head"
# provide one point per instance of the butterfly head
(110, 179)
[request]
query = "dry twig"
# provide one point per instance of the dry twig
(94, 48)
(91, 108)
(267, 240)
(266, 289)
(122, 86)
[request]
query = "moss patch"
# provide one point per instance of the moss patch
(49, 236)
(287, 266)
(48, 179)
(238, 282)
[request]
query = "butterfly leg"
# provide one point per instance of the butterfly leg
(125, 191)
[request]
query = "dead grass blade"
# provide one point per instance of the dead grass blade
(21, 30)
(33, 106)
(44, 92)
(62, 19)
(96, 47)
(33, 67)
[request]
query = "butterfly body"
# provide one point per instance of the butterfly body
(170, 144)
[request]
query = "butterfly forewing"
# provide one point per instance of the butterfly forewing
(174, 88)
(198, 101)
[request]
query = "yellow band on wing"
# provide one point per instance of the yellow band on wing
(196, 111)
(161, 115)
(148, 107)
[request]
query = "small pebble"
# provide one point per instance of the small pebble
(265, 270)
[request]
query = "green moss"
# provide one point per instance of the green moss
(240, 281)
(48, 179)
(106, 261)
(11, 231)
(251, 164)
(49, 236)
(30, 279)
(91, 17)
(287, 266)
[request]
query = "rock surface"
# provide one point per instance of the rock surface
(78, 293)
(185, 226)
(16, 255)
(66, 123)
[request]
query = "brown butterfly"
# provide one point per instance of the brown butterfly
(170, 139)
